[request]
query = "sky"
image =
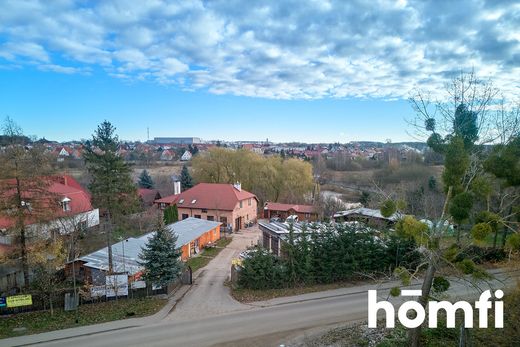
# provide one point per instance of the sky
(309, 71)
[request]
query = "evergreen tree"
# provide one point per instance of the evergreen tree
(171, 214)
(186, 180)
(161, 258)
(112, 188)
(145, 180)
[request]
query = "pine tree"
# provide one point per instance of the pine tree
(186, 180)
(112, 188)
(145, 180)
(171, 214)
(161, 258)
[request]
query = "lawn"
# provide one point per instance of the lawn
(42, 321)
(250, 295)
(207, 254)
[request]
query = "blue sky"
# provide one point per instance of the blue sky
(311, 71)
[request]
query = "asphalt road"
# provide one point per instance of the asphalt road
(256, 326)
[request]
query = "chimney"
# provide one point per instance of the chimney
(176, 188)
(237, 186)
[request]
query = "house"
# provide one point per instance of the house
(226, 203)
(368, 216)
(186, 156)
(73, 210)
(148, 196)
(192, 236)
(304, 212)
(167, 155)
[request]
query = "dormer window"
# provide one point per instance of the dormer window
(181, 201)
(193, 201)
(65, 204)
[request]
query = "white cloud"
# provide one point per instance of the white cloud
(272, 49)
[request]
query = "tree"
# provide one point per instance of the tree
(161, 258)
(170, 214)
(145, 180)
(269, 178)
(112, 188)
(46, 258)
(24, 182)
(456, 126)
(186, 179)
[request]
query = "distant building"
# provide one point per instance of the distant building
(368, 216)
(186, 156)
(148, 196)
(177, 140)
(304, 212)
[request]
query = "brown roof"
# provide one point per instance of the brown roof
(274, 206)
(214, 196)
(148, 195)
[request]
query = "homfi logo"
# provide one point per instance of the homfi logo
(483, 305)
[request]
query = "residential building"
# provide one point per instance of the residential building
(226, 203)
(73, 211)
(186, 156)
(304, 212)
(192, 236)
(368, 216)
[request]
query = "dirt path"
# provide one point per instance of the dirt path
(208, 295)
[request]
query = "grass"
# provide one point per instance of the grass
(43, 321)
(207, 254)
(250, 295)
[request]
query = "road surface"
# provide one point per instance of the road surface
(266, 324)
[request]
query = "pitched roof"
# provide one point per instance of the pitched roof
(186, 230)
(148, 195)
(211, 196)
(274, 206)
(62, 186)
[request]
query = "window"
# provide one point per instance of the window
(197, 216)
(249, 202)
(204, 210)
(184, 216)
(211, 218)
(223, 220)
(193, 201)
(82, 225)
(240, 204)
(163, 205)
(65, 204)
(181, 201)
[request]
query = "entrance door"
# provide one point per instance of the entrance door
(238, 223)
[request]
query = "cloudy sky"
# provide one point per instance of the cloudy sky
(284, 70)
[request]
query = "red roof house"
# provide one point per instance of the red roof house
(226, 203)
(304, 212)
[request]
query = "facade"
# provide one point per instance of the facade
(177, 140)
(192, 236)
(304, 212)
(225, 203)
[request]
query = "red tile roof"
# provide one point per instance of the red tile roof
(274, 206)
(62, 186)
(148, 195)
(211, 196)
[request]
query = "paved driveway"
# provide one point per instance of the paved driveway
(208, 295)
